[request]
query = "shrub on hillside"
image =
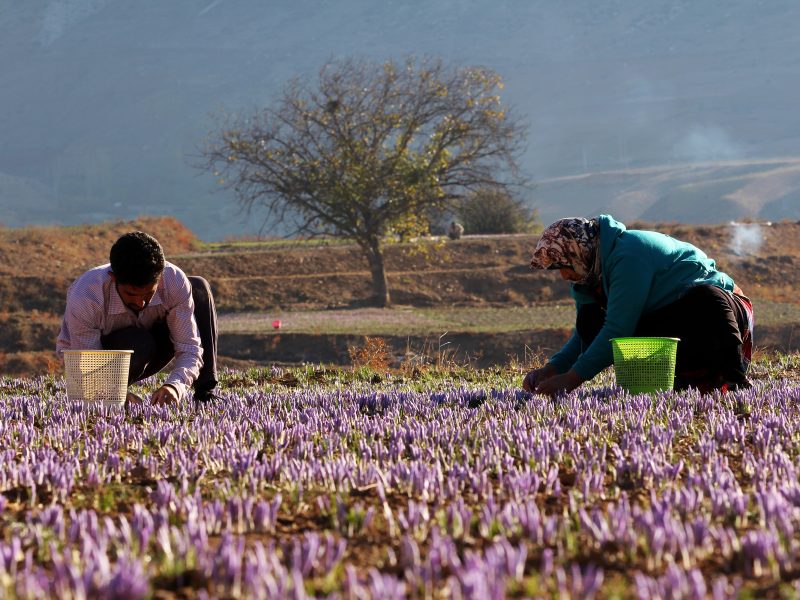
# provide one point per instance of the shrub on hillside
(374, 354)
(494, 211)
(30, 364)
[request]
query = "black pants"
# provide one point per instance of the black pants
(708, 321)
(153, 348)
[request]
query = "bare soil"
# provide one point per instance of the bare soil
(474, 271)
(38, 264)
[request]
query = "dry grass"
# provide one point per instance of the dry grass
(67, 251)
(373, 354)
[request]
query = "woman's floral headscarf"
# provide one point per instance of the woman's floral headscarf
(572, 242)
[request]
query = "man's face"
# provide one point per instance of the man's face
(134, 297)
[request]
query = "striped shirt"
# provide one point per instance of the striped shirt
(94, 309)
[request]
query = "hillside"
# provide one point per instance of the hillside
(37, 264)
(272, 277)
(106, 103)
(473, 271)
(703, 192)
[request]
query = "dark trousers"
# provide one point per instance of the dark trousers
(709, 322)
(153, 348)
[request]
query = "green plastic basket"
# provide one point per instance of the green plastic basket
(645, 364)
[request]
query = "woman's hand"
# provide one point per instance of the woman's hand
(559, 384)
(535, 377)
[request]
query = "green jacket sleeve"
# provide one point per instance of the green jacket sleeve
(569, 353)
(564, 358)
(629, 282)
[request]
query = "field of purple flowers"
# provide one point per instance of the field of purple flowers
(350, 484)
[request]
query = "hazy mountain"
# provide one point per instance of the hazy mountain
(682, 110)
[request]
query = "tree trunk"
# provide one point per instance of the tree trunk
(380, 283)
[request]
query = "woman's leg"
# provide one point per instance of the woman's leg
(708, 322)
(589, 321)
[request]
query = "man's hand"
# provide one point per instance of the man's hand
(559, 384)
(166, 394)
(131, 399)
(537, 376)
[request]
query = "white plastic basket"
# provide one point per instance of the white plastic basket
(97, 375)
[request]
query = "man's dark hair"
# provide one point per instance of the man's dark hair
(137, 259)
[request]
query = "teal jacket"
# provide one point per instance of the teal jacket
(642, 271)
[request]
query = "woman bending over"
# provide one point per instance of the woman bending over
(643, 283)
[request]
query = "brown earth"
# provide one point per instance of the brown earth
(477, 270)
(37, 265)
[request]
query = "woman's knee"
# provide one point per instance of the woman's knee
(708, 297)
(589, 321)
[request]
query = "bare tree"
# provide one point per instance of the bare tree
(371, 150)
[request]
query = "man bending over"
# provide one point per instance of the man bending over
(143, 303)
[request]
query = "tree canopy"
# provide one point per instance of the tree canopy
(370, 150)
(496, 211)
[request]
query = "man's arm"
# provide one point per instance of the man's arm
(183, 333)
(81, 326)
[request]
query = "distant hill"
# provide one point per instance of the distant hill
(637, 107)
(707, 192)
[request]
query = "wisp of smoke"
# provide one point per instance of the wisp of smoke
(746, 238)
(703, 144)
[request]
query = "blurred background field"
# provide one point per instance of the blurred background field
(420, 321)
(477, 295)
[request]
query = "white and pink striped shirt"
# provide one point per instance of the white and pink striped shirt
(94, 309)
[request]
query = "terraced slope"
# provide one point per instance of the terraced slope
(466, 287)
